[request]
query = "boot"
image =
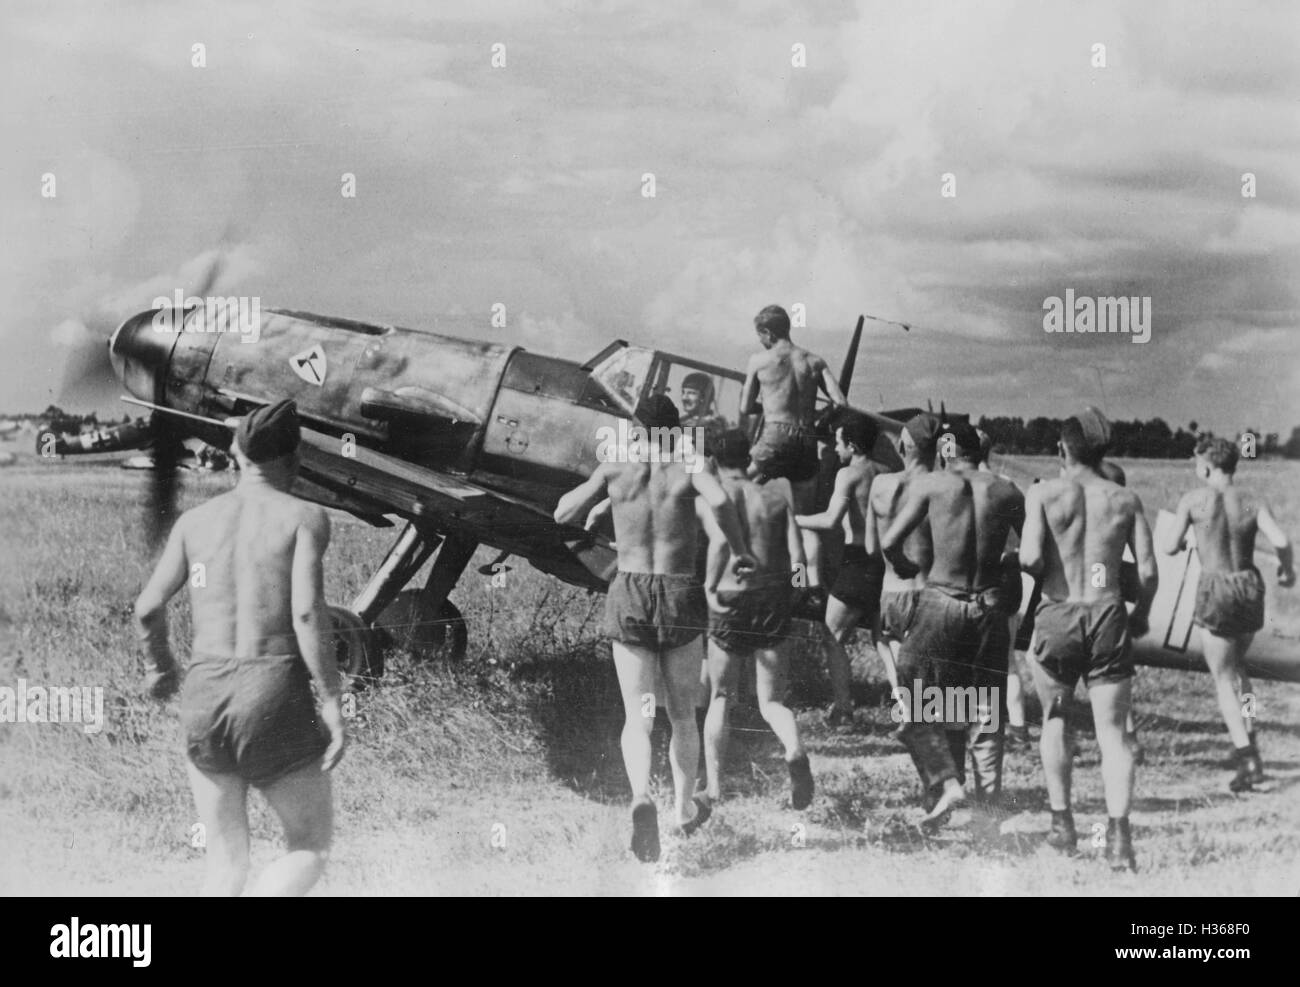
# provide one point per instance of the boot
(1250, 769)
(1119, 846)
(1062, 835)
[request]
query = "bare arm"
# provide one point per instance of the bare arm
(832, 386)
(1033, 534)
(1016, 510)
(311, 623)
(724, 513)
(151, 613)
(1281, 544)
(307, 597)
(1143, 549)
(1174, 540)
(598, 514)
(905, 522)
(575, 503)
(835, 510)
(719, 552)
(749, 393)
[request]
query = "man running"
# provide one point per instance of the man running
(917, 444)
(1017, 733)
(1076, 528)
(751, 615)
(788, 378)
(958, 637)
(655, 610)
(1230, 593)
(260, 626)
(855, 595)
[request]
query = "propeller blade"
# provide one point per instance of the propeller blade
(164, 480)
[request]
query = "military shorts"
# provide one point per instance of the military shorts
(755, 618)
(1088, 640)
(1230, 604)
(656, 611)
(254, 717)
(785, 450)
(859, 580)
(897, 611)
(957, 638)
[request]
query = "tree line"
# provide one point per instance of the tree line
(1153, 439)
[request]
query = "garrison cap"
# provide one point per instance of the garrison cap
(269, 432)
(1096, 428)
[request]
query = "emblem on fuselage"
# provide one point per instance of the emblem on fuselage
(310, 365)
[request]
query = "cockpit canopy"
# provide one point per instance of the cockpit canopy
(705, 395)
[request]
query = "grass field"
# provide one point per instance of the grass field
(502, 775)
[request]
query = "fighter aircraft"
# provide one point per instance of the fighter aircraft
(466, 442)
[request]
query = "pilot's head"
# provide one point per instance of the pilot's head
(267, 439)
(697, 394)
(772, 324)
(855, 434)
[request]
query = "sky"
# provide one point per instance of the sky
(819, 184)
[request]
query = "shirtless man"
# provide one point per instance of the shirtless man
(856, 592)
(917, 444)
(788, 378)
(655, 610)
(958, 638)
(260, 626)
(751, 615)
(1017, 735)
(1230, 593)
(1076, 528)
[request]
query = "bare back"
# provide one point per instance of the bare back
(860, 478)
(655, 527)
(788, 378)
(971, 513)
(1088, 522)
(245, 540)
(766, 516)
(888, 492)
(1226, 522)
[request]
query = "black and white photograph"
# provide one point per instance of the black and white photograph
(602, 449)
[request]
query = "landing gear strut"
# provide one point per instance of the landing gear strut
(422, 621)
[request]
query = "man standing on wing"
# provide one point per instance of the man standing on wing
(787, 379)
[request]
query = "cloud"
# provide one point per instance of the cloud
(818, 185)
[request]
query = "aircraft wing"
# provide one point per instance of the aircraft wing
(371, 484)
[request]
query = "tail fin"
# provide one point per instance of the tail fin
(846, 373)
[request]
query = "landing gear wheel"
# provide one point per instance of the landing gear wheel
(411, 624)
(356, 649)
